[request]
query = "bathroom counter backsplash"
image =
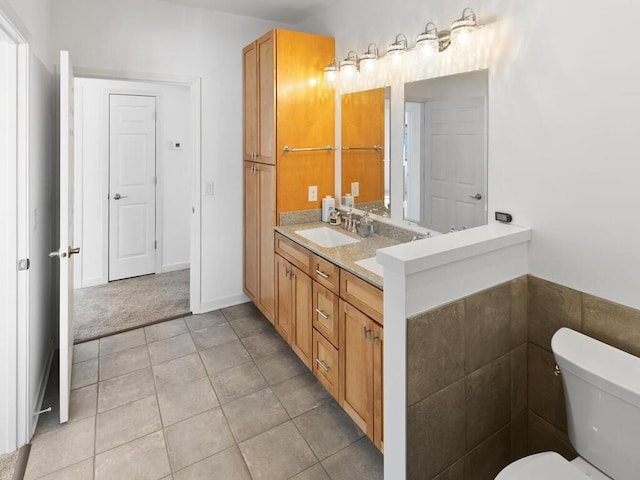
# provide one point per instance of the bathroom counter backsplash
(344, 256)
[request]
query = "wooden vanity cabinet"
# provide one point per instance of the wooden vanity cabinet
(325, 313)
(258, 62)
(259, 220)
(293, 299)
(361, 370)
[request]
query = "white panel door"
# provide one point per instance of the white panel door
(66, 251)
(132, 186)
(455, 159)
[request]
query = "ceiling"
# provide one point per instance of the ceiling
(285, 11)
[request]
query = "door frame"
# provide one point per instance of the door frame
(158, 207)
(195, 86)
(16, 420)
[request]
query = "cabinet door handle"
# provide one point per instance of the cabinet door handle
(365, 331)
(373, 338)
(322, 365)
(322, 274)
(322, 314)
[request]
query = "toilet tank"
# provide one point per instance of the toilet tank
(602, 395)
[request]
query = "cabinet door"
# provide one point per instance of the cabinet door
(301, 332)
(251, 231)
(267, 219)
(266, 98)
(378, 382)
(356, 366)
(325, 312)
(284, 296)
(250, 101)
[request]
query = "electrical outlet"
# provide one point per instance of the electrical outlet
(313, 193)
(355, 189)
(208, 188)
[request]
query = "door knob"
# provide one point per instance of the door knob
(117, 196)
(477, 196)
(74, 251)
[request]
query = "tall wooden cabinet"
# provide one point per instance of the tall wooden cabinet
(285, 103)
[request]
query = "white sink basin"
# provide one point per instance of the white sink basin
(372, 265)
(326, 237)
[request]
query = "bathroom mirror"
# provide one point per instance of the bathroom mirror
(445, 152)
(365, 149)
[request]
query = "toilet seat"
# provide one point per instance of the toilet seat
(547, 466)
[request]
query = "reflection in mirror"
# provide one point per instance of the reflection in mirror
(365, 150)
(445, 152)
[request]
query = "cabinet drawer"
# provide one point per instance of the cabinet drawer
(362, 295)
(296, 254)
(325, 313)
(325, 363)
(325, 273)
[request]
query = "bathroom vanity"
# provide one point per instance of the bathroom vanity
(329, 308)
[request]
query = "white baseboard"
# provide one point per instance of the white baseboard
(219, 303)
(175, 266)
(92, 282)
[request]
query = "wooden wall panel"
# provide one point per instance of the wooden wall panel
(305, 116)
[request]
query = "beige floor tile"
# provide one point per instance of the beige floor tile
(213, 336)
(224, 356)
(84, 373)
(143, 459)
(197, 438)
(171, 348)
(161, 331)
(85, 351)
(255, 413)
(126, 388)
(300, 394)
(122, 341)
(360, 461)
(251, 325)
(198, 322)
(240, 311)
(264, 344)
(60, 448)
(183, 401)
(238, 381)
(123, 424)
(314, 473)
(226, 465)
(125, 361)
(280, 366)
(82, 404)
(327, 429)
(278, 453)
(79, 471)
(179, 371)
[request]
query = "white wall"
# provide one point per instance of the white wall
(33, 19)
(164, 38)
(563, 129)
(174, 171)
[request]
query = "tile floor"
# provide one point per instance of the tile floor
(215, 396)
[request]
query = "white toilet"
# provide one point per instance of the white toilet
(602, 396)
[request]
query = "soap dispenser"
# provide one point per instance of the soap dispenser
(366, 226)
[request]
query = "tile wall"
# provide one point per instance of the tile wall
(481, 385)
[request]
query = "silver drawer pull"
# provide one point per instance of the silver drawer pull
(322, 314)
(322, 274)
(322, 365)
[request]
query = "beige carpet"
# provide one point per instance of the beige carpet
(8, 464)
(129, 303)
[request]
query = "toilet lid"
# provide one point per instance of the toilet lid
(547, 466)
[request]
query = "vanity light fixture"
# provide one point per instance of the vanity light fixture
(349, 66)
(462, 28)
(368, 59)
(397, 48)
(331, 71)
(427, 41)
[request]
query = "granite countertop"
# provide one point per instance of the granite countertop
(344, 256)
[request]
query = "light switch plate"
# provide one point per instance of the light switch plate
(313, 193)
(355, 189)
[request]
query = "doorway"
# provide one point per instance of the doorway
(136, 169)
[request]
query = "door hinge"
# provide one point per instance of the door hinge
(24, 264)
(155, 180)
(155, 245)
